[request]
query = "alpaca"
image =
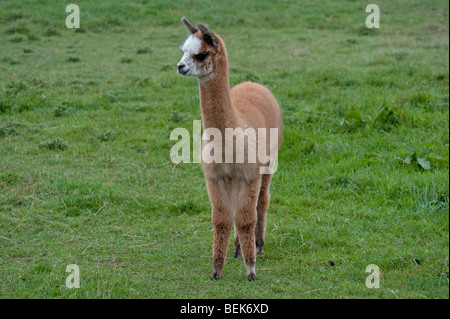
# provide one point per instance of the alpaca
(238, 192)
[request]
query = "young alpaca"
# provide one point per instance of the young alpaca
(238, 191)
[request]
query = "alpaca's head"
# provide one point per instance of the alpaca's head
(199, 51)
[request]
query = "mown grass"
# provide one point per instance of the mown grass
(86, 176)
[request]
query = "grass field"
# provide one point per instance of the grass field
(85, 170)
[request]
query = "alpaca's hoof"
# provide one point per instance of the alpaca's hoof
(236, 254)
(251, 277)
(215, 277)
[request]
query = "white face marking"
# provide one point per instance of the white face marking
(192, 45)
(187, 64)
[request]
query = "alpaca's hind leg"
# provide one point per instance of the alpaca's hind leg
(237, 245)
(261, 209)
(222, 220)
(245, 221)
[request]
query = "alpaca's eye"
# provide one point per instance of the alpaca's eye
(200, 56)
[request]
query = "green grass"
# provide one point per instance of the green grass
(85, 170)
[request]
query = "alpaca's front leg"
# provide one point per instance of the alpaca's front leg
(245, 220)
(222, 220)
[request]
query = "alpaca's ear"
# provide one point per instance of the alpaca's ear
(189, 25)
(208, 35)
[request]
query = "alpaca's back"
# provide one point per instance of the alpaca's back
(257, 106)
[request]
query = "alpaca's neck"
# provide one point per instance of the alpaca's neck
(215, 100)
